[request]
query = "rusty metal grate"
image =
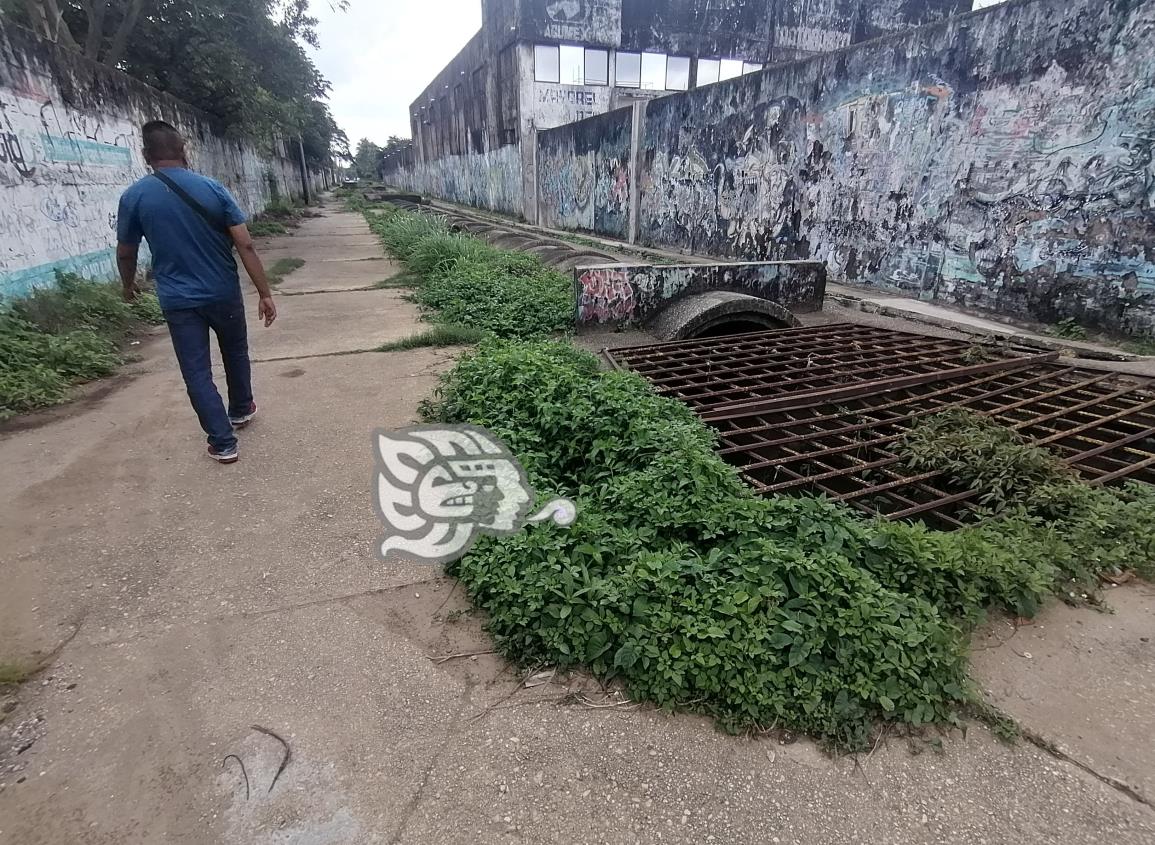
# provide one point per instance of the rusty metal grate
(820, 409)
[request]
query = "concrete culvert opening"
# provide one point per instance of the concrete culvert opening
(720, 313)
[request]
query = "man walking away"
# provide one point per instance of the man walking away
(191, 224)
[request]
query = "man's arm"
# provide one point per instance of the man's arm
(243, 241)
(126, 257)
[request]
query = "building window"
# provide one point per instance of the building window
(707, 72)
(729, 69)
(597, 67)
(750, 67)
(654, 71)
(572, 65)
(629, 69)
(546, 64)
(677, 73)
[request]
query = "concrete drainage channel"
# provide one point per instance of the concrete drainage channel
(672, 301)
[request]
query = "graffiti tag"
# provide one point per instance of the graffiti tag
(605, 296)
(568, 96)
(12, 153)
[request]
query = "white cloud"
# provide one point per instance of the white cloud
(380, 54)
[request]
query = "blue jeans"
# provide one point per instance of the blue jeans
(189, 329)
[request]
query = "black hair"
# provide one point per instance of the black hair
(162, 141)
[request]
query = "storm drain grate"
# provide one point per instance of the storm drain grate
(820, 410)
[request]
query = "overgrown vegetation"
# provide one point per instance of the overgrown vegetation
(59, 336)
(696, 593)
(1039, 505)
(441, 335)
(463, 281)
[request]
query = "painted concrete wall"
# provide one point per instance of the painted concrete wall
(583, 173)
(1002, 160)
(70, 144)
(633, 294)
(491, 180)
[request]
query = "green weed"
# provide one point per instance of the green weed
(267, 228)
(282, 267)
(441, 335)
(59, 336)
(1040, 508)
(467, 282)
(1067, 329)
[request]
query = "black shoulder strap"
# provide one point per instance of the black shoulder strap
(216, 224)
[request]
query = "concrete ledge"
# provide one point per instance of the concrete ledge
(635, 294)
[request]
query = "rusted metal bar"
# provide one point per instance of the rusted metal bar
(865, 388)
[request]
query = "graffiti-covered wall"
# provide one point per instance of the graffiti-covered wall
(1000, 160)
(491, 180)
(633, 294)
(583, 175)
(70, 144)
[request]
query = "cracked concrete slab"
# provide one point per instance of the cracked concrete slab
(1082, 680)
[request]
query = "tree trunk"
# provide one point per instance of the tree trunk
(94, 40)
(120, 38)
(48, 22)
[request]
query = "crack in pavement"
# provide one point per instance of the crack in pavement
(1050, 747)
(454, 730)
(334, 290)
(313, 355)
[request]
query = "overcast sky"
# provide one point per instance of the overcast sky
(380, 54)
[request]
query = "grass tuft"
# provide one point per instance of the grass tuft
(283, 267)
(441, 335)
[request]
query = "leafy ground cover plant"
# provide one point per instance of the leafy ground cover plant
(59, 336)
(466, 282)
(696, 593)
(1038, 502)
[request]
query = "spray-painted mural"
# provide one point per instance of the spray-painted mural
(622, 294)
(1003, 160)
(64, 161)
(490, 180)
(583, 172)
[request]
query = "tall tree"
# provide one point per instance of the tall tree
(367, 159)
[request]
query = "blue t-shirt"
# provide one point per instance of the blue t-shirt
(192, 261)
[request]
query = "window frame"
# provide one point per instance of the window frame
(717, 63)
(618, 56)
(606, 54)
(689, 67)
(722, 65)
(537, 77)
(573, 51)
(653, 66)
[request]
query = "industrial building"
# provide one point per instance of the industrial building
(538, 64)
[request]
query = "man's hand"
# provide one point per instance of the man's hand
(267, 310)
(130, 291)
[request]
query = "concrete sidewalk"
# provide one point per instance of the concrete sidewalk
(185, 602)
